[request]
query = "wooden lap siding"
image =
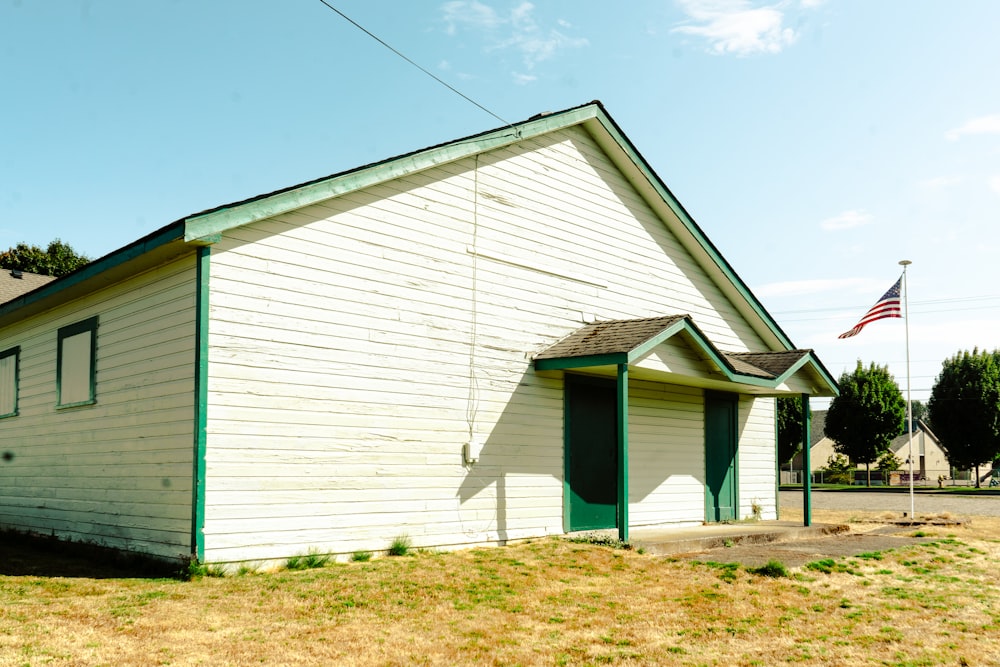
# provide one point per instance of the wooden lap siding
(342, 373)
(757, 457)
(666, 454)
(116, 473)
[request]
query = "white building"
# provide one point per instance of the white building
(516, 334)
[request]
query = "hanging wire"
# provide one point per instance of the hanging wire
(425, 71)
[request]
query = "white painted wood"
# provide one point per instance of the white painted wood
(357, 345)
(758, 452)
(119, 472)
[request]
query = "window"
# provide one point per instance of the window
(8, 381)
(75, 367)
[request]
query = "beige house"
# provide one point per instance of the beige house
(515, 334)
(930, 459)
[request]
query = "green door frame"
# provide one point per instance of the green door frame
(733, 470)
(621, 435)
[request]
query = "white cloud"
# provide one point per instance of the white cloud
(468, 14)
(995, 183)
(523, 79)
(981, 125)
(518, 31)
(736, 26)
(846, 220)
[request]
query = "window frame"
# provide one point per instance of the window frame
(16, 353)
(68, 331)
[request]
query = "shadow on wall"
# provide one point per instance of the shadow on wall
(516, 487)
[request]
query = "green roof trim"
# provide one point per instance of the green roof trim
(570, 353)
(217, 221)
(589, 361)
(112, 260)
(206, 226)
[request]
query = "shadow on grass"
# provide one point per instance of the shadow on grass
(23, 554)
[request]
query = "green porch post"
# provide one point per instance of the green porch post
(622, 452)
(806, 464)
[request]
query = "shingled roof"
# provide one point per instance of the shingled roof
(620, 337)
(15, 283)
(609, 337)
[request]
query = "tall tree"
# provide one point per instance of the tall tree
(920, 412)
(56, 260)
(869, 412)
(965, 408)
(789, 427)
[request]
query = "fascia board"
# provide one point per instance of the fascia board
(219, 221)
(66, 284)
(657, 192)
(590, 361)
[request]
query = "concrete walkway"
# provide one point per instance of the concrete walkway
(666, 540)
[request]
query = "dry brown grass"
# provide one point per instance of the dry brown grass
(548, 602)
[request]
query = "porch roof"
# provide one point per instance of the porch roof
(672, 348)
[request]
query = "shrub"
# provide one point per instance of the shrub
(400, 546)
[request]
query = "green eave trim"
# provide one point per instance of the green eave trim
(130, 252)
(564, 363)
(219, 221)
(700, 343)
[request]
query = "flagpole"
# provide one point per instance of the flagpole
(909, 403)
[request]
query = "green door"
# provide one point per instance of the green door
(720, 458)
(591, 453)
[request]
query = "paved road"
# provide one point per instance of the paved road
(923, 503)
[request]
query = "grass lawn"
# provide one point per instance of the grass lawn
(545, 602)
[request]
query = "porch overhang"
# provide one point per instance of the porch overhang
(672, 349)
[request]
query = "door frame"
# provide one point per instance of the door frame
(572, 380)
(733, 471)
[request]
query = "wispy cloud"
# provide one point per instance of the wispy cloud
(981, 125)
(516, 30)
(737, 26)
(995, 183)
(846, 220)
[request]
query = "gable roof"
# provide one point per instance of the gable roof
(817, 427)
(206, 227)
(903, 440)
(616, 342)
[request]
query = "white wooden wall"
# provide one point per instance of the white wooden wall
(666, 454)
(356, 345)
(758, 456)
(117, 473)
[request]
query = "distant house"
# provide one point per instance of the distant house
(930, 459)
(14, 283)
(515, 334)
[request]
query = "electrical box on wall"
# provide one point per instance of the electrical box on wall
(473, 448)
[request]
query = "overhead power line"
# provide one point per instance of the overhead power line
(425, 71)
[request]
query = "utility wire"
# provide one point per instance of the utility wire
(443, 83)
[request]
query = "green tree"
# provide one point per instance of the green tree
(919, 413)
(869, 412)
(839, 470)
(965, 408)
(886, 464)
(789, 427)
(56, 260)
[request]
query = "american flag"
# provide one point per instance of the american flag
(887, 306)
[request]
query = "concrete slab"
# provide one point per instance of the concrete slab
(666, 540)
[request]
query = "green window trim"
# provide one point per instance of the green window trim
(14, 352)
(63, 385)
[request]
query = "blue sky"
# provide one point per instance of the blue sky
(817, 142)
